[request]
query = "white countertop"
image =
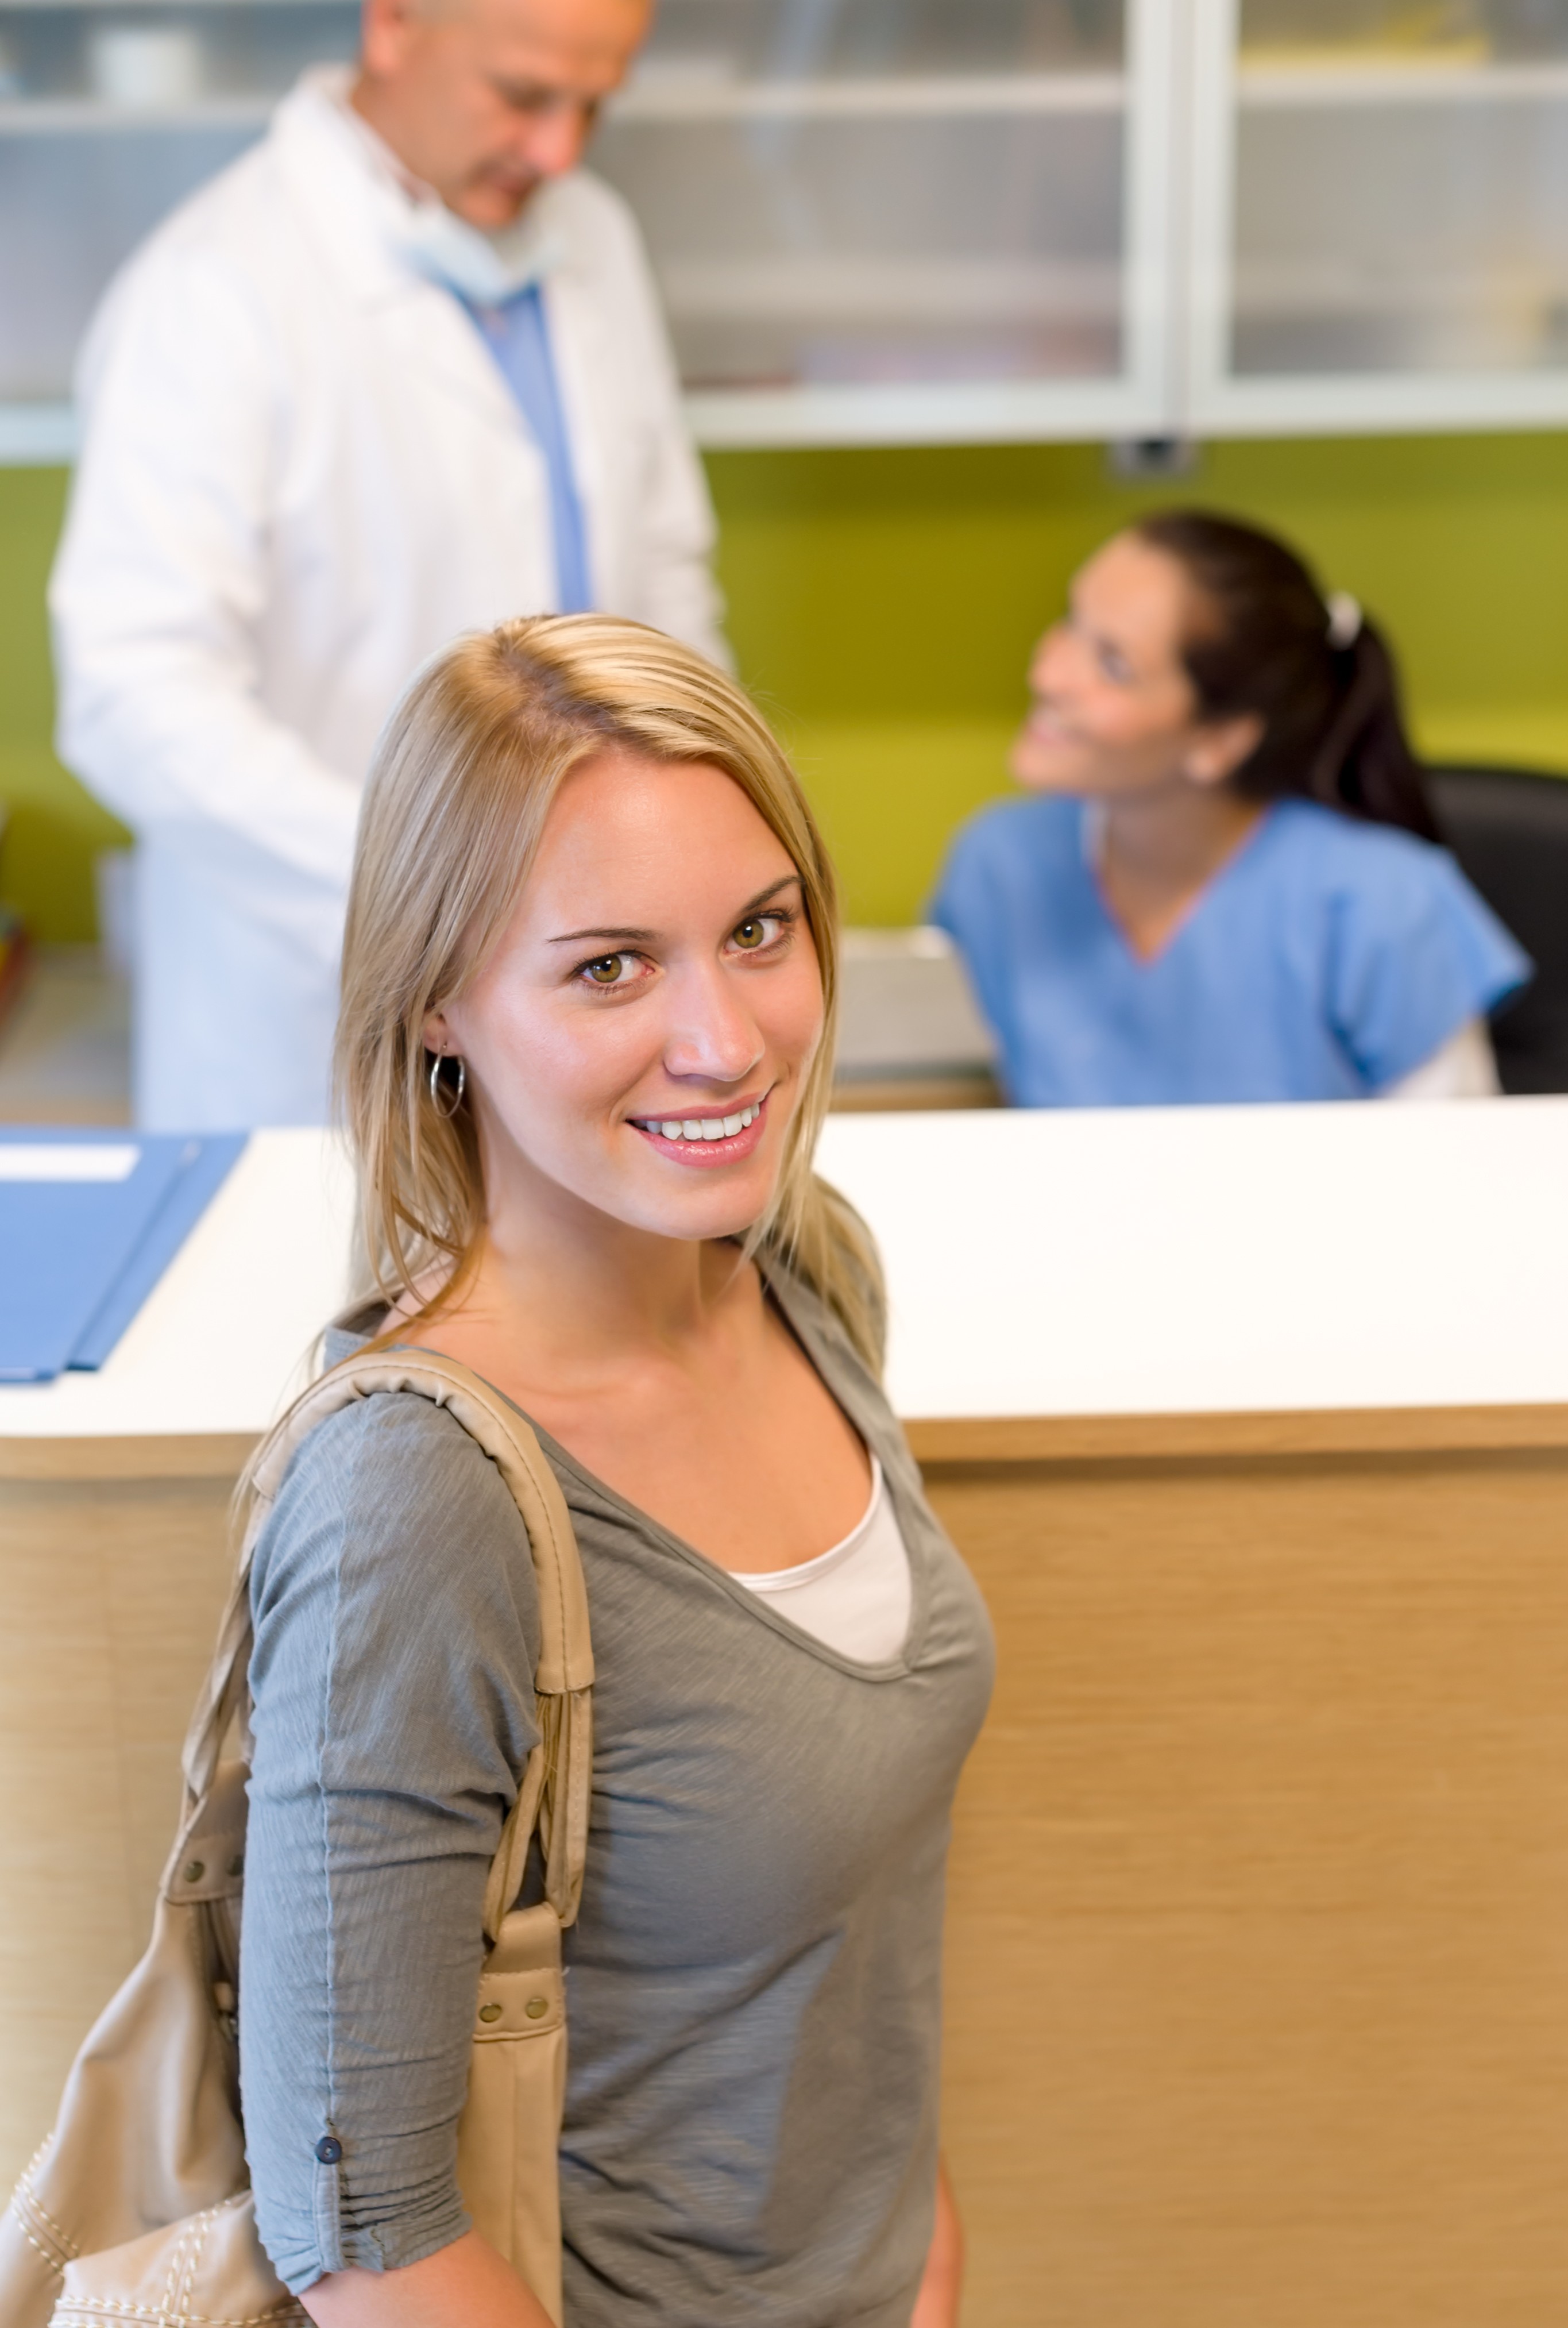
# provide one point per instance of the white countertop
(1144, 1261)
(1192, 1260)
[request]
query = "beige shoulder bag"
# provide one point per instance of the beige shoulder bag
(137, 2207)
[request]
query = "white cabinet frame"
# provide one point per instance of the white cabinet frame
(1216, 403)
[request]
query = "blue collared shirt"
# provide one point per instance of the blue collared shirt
(517, 332)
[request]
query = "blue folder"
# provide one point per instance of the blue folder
(90, 1220)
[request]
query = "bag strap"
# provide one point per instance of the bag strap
(554, 1793)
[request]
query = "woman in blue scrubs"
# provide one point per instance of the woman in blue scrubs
(1226, 884)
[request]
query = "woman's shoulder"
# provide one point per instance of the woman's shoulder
(396, 1470)
(1410, 950)
(1393, 886)
(395, 1612)
(1326, 845)
(402, 1427)
(1010, 850)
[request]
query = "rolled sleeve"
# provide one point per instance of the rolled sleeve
(395, 1636)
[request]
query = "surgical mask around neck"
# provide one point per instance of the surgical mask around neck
(486, 269)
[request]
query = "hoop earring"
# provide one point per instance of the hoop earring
(446, 1114)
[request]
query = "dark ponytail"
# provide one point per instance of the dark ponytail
(1332, 726)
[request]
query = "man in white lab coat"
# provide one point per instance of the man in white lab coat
(398, 372)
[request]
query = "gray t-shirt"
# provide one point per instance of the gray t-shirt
(753, 1993)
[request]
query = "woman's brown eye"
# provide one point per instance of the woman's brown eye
(752, 935)
(606, 971)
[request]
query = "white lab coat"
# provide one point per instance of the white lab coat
(302, 473)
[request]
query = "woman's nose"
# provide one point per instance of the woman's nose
(1051, 669)
(711, 1035)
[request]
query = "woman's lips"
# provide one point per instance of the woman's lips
(701, 1143)
(1047, 727)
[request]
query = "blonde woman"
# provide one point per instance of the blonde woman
(585, 1050)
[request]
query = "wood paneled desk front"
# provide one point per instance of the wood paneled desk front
(1254, 1425)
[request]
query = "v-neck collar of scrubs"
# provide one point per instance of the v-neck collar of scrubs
(1091, 842)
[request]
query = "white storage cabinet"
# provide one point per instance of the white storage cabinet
(928, 220)
(902, 218)
(871, 218)
(109, 115)
(1379, 206)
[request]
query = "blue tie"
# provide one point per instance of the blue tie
(519, 338)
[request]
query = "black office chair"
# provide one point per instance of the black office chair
(1509, 829)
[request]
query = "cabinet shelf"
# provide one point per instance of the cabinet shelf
(1291, 89)
(677, 97)
(37, 434)
(952, 413)
(674, 101)
(344, 8)
(847, 287)
(86, 116)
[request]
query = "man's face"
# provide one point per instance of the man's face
(482, 100)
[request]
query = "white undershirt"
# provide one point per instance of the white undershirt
(1464, 1067)
(855, 1597)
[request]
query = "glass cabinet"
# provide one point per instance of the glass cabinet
(916, 220)
(109, 116)
(870, 219)
(902, 218)
(1380, 206)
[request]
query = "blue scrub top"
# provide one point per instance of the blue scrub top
(1326, 959)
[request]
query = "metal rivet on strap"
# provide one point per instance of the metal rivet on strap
(237, 1865)
(195, 1869)
(489, 2013)
(536, 2006)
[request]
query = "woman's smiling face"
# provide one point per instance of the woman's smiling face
(639, 1039)
(1114, 710)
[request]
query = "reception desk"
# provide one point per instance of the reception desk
(1253, 1426)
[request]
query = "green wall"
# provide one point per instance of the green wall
(883, 603)
(52, 828)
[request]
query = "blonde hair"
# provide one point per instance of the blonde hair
(454, 809)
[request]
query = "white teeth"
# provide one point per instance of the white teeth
(709, 1127)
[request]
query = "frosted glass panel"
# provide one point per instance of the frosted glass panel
(1402, 187)
(851, 191)
(792, 37)
(109, 117)
(159, 62)
(87, 202)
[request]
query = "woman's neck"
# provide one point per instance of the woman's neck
(608, 1292)
(1159, 851)
(598, 1296)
